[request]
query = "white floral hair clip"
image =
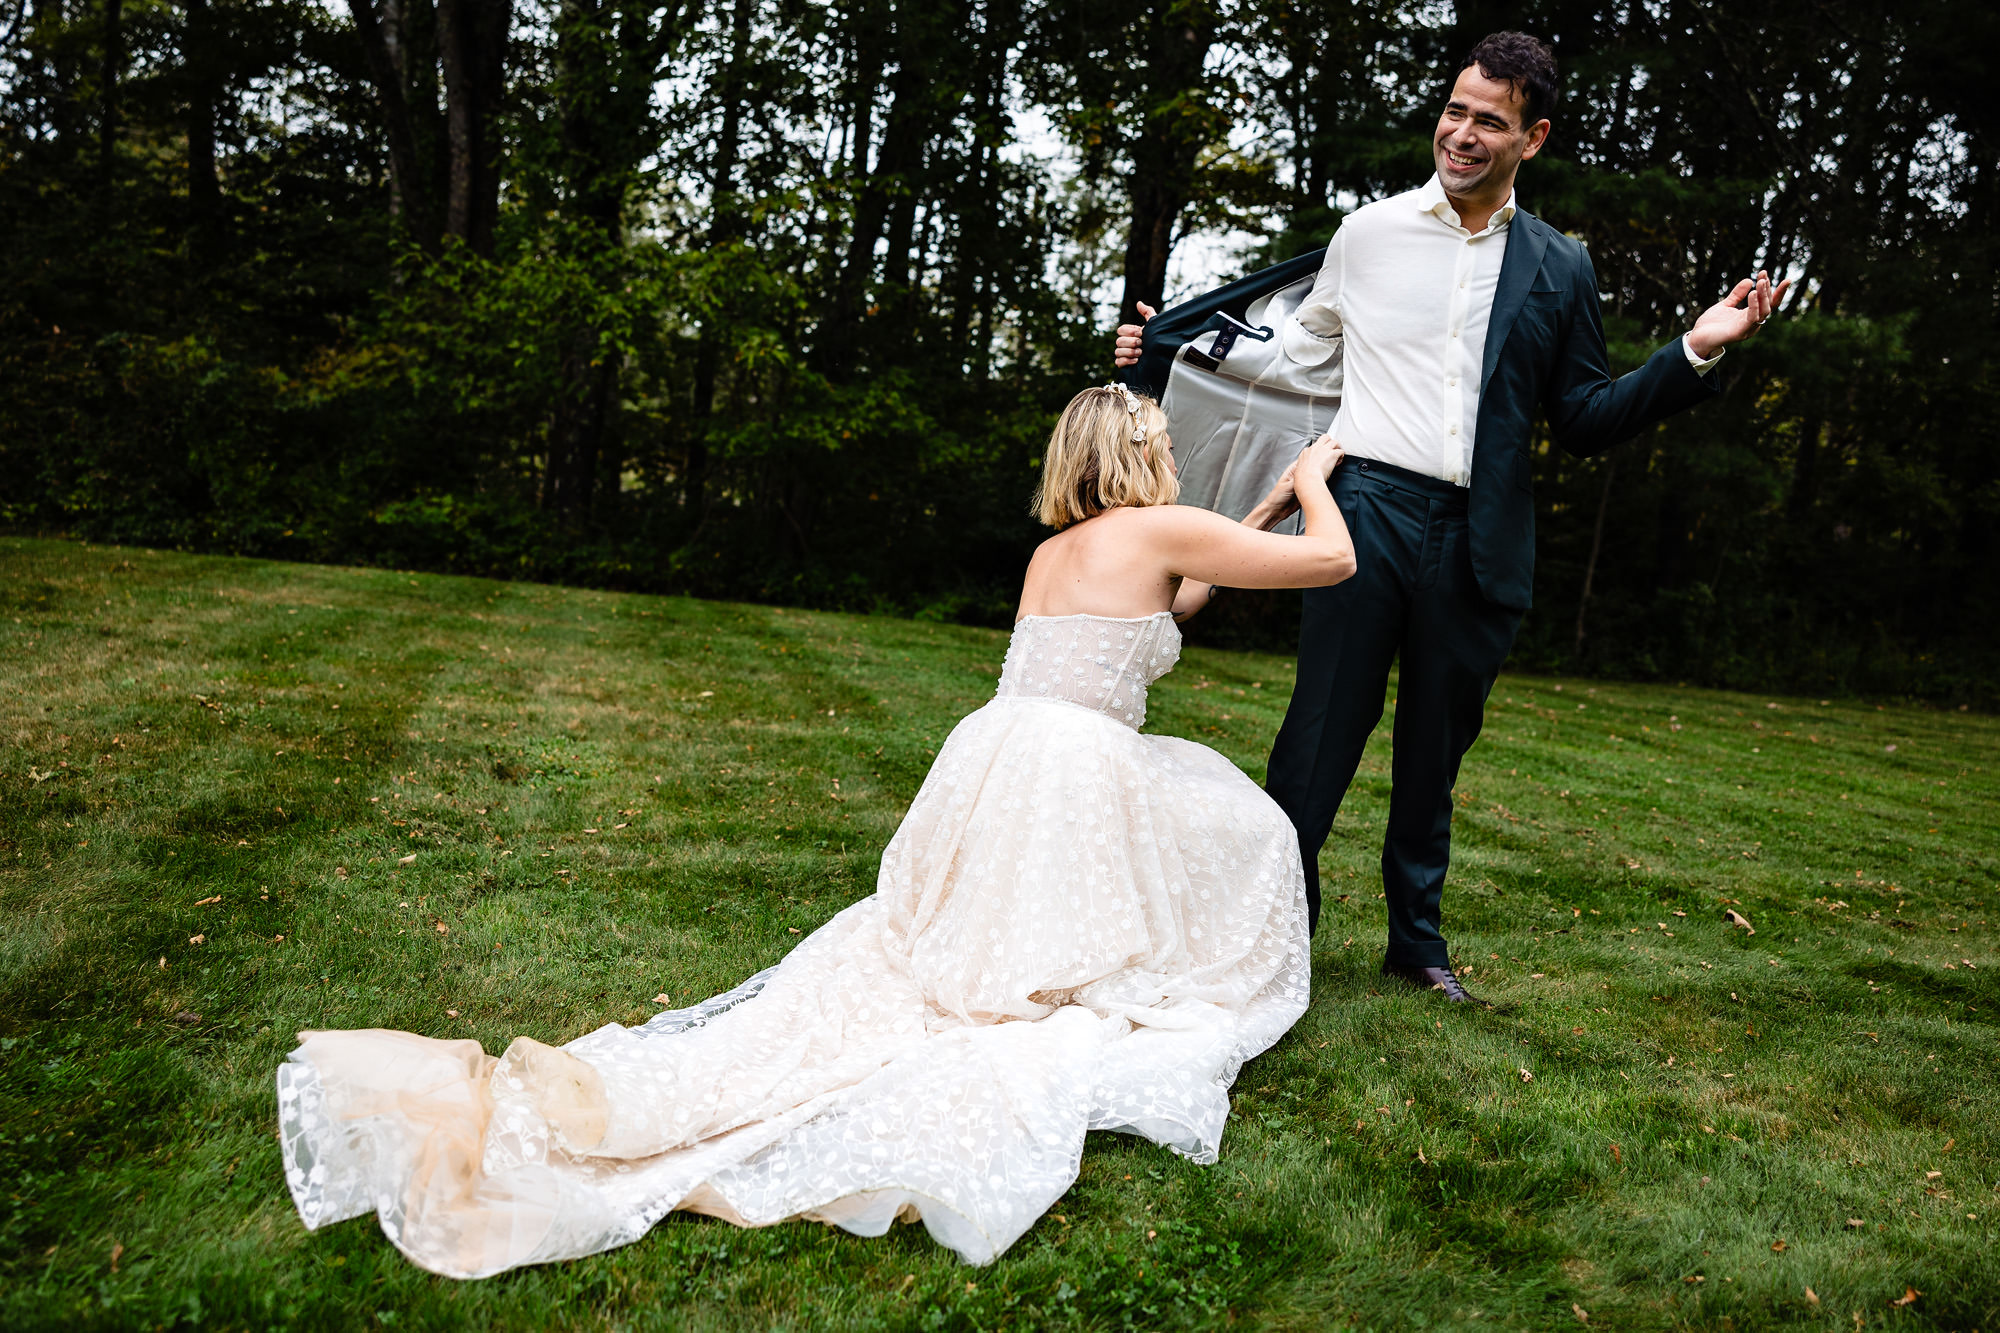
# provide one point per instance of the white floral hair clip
(1131, 406)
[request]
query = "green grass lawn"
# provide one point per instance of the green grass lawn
(244, 798)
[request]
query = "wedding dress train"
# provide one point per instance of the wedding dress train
(1076, 927)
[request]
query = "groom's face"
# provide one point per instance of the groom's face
(1481, 140)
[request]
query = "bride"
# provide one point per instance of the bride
(1077, 927)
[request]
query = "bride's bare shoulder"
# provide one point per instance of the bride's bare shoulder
(1146, 523)
(1179, 520)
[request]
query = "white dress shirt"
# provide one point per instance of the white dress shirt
(1404, 297)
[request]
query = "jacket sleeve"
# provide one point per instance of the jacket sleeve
(1588, 410)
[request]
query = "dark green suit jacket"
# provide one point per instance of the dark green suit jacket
(1545, 356)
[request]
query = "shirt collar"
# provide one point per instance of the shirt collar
(1432, 199)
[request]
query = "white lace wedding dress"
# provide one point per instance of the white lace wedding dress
(1077, 927)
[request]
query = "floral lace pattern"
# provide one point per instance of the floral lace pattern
(1104, 663)
(1076, 927)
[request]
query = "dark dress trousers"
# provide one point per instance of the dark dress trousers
(1445, 573)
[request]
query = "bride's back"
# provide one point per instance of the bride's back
(1103, 566)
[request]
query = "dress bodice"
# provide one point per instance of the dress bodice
(1104, 663)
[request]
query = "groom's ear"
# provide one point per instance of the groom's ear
(1538, 134)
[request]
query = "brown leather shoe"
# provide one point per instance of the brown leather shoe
(1432, 978)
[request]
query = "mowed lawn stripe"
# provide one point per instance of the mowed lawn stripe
(342, 797)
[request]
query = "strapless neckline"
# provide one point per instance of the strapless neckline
(1104, 663)
(1092, 615)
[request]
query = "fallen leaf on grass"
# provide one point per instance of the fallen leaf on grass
(451, 1013)
(1856, 1222)
(1616, 1155)
(1812, 1297)
(206, 901)
(1736, 918)
(1582, 1315)
(403, 861)
(1778, 1247)
(1693, 1278)
(197, 939)
(1910, 1294)
(443, 929)
(1526, 1077)
(662, 998)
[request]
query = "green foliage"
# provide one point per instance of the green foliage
(776, 300)
(1706, 1112)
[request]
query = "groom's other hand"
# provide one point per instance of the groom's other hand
(1736, 316)
(1125, 352)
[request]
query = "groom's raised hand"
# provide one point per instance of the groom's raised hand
(1736, 316)
(1125, 352)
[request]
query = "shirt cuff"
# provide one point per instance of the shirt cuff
(1304, 346)
(1701, 367)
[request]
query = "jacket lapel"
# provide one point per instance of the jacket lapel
(1527, 238)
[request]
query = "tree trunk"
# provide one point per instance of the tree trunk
(576, 432)
(1805, 468)
(110, 74)
(1596, 546)
(608, 57)
(382, 48)
(902, 136)
(472, 47)
(724, 227)
(1166, 152)
(204, 189)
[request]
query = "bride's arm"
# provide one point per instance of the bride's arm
(1277, 506)
(1207, 549)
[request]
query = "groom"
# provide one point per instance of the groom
(1459, 319)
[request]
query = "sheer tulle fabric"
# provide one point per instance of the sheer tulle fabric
(1077, 927)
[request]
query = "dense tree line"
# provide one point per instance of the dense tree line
(777, 298)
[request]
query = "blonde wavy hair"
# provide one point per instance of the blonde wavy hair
(1094, 464)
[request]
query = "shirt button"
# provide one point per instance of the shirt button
(1454, 430)
(1454, 333)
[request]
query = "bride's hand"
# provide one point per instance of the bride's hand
(1324, 453)
(1283, 499)
(1284, 495)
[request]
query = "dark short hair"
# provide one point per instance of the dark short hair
(1526, 63)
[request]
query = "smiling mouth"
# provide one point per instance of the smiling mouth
(1458, 160)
